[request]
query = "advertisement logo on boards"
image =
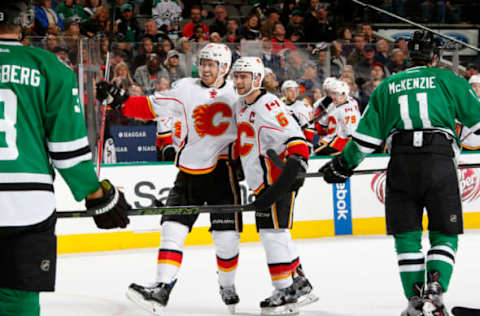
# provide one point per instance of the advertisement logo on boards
(469, 180)
(342, 208)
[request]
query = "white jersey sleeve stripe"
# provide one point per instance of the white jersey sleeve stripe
(68, 163)
(20, 177)
(68, 146)
(367, 139)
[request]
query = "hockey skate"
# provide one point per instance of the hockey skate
(282, 302)
(303, 291)
(151, 298)
(433, 300)
(229, 297)
(414, 308)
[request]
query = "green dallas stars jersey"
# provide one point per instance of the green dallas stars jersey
(418, 98)
(41, 121)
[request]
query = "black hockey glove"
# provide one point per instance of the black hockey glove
(289, 180)
(114, 95)
(109, 211)
(336, 170)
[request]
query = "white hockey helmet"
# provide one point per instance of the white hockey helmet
(328, 83)
(219, 53)
(254, 65)
(289, 84)
(340, 87)
(474, 79)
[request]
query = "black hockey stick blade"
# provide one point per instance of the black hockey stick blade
(278, 162)
(170, 210)
(465, 311)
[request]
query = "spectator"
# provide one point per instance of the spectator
(345, 38)
(296, 25)
(232, 31)
(401, 43)
(215, 37)
(338, 60)
(474, 81)
(367, 31)
(279, 41)
(318, 55)
(128, 30)
(151, 30)
(270, 82)
(51, 41)
(184, 47)
(121, 76)
(98, 24)
(144, 52)
(199, 35)
(397, 62)
(382, 54)
(71, 38)
(308, 80)
(196, 18)
(294, 69)
(70, 9)
(62, 53)
(144, 75)
(357, 53)
(363, 68)
(172, 64)
(249, 31)
(288, 8)
(162, 85)
(135, 90)
(47, 19)
(219, 25)
(91, 6)
(319, 26)
(166, 45)
(471, 70)
(355, 92)
(268, 26)
(167, 15)
(376, 74)
(271, 61)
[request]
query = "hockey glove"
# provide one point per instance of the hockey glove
(289, 180)
(109, 211)
(114, 95)
(336, 170)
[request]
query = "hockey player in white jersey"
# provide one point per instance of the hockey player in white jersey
(470, 141)
(340, 122)
(263, 123)
(301, 111)
(205, 106)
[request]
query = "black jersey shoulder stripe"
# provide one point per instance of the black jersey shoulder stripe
(70, 154)
(26, 186)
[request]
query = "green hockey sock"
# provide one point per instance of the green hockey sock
(411, 262)
(441, 258)
(19, 303)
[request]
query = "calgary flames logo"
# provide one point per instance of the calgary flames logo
(469, 180)
(205, 115)
(177, 127)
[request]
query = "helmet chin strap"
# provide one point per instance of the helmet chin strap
(252, 88)
(219, 76)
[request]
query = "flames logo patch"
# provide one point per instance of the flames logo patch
(177, 127)
(204, 116)
(469, 180)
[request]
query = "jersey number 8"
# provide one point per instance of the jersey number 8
(8, 119)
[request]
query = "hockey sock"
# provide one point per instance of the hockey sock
(170, 253)
(227, 249)
(441, 257)
(276, 243)
(19, 303)
(295, 260)
(411, 261)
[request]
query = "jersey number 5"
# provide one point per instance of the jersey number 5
(8, 119)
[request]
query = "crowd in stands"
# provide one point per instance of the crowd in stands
(303, 40)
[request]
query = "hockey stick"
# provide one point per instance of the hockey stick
(171, 210)
(278, 162)
(465, 311)
(416, 24)
(318, 117)
(103, 106)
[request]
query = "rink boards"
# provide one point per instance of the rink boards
(321, 210)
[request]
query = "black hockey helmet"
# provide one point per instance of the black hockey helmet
(17, 12)
(422, 46)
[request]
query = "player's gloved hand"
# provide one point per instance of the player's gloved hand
(114, 95)
(109, 211)
(336, 170)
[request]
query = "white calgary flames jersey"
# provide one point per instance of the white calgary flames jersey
(203, 122)
(264, 125)
(301, 111)
(341, 121)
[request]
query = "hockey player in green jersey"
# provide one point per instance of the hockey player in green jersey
(414, 112)
(41, 121)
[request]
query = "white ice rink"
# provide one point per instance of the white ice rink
(351, 275)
